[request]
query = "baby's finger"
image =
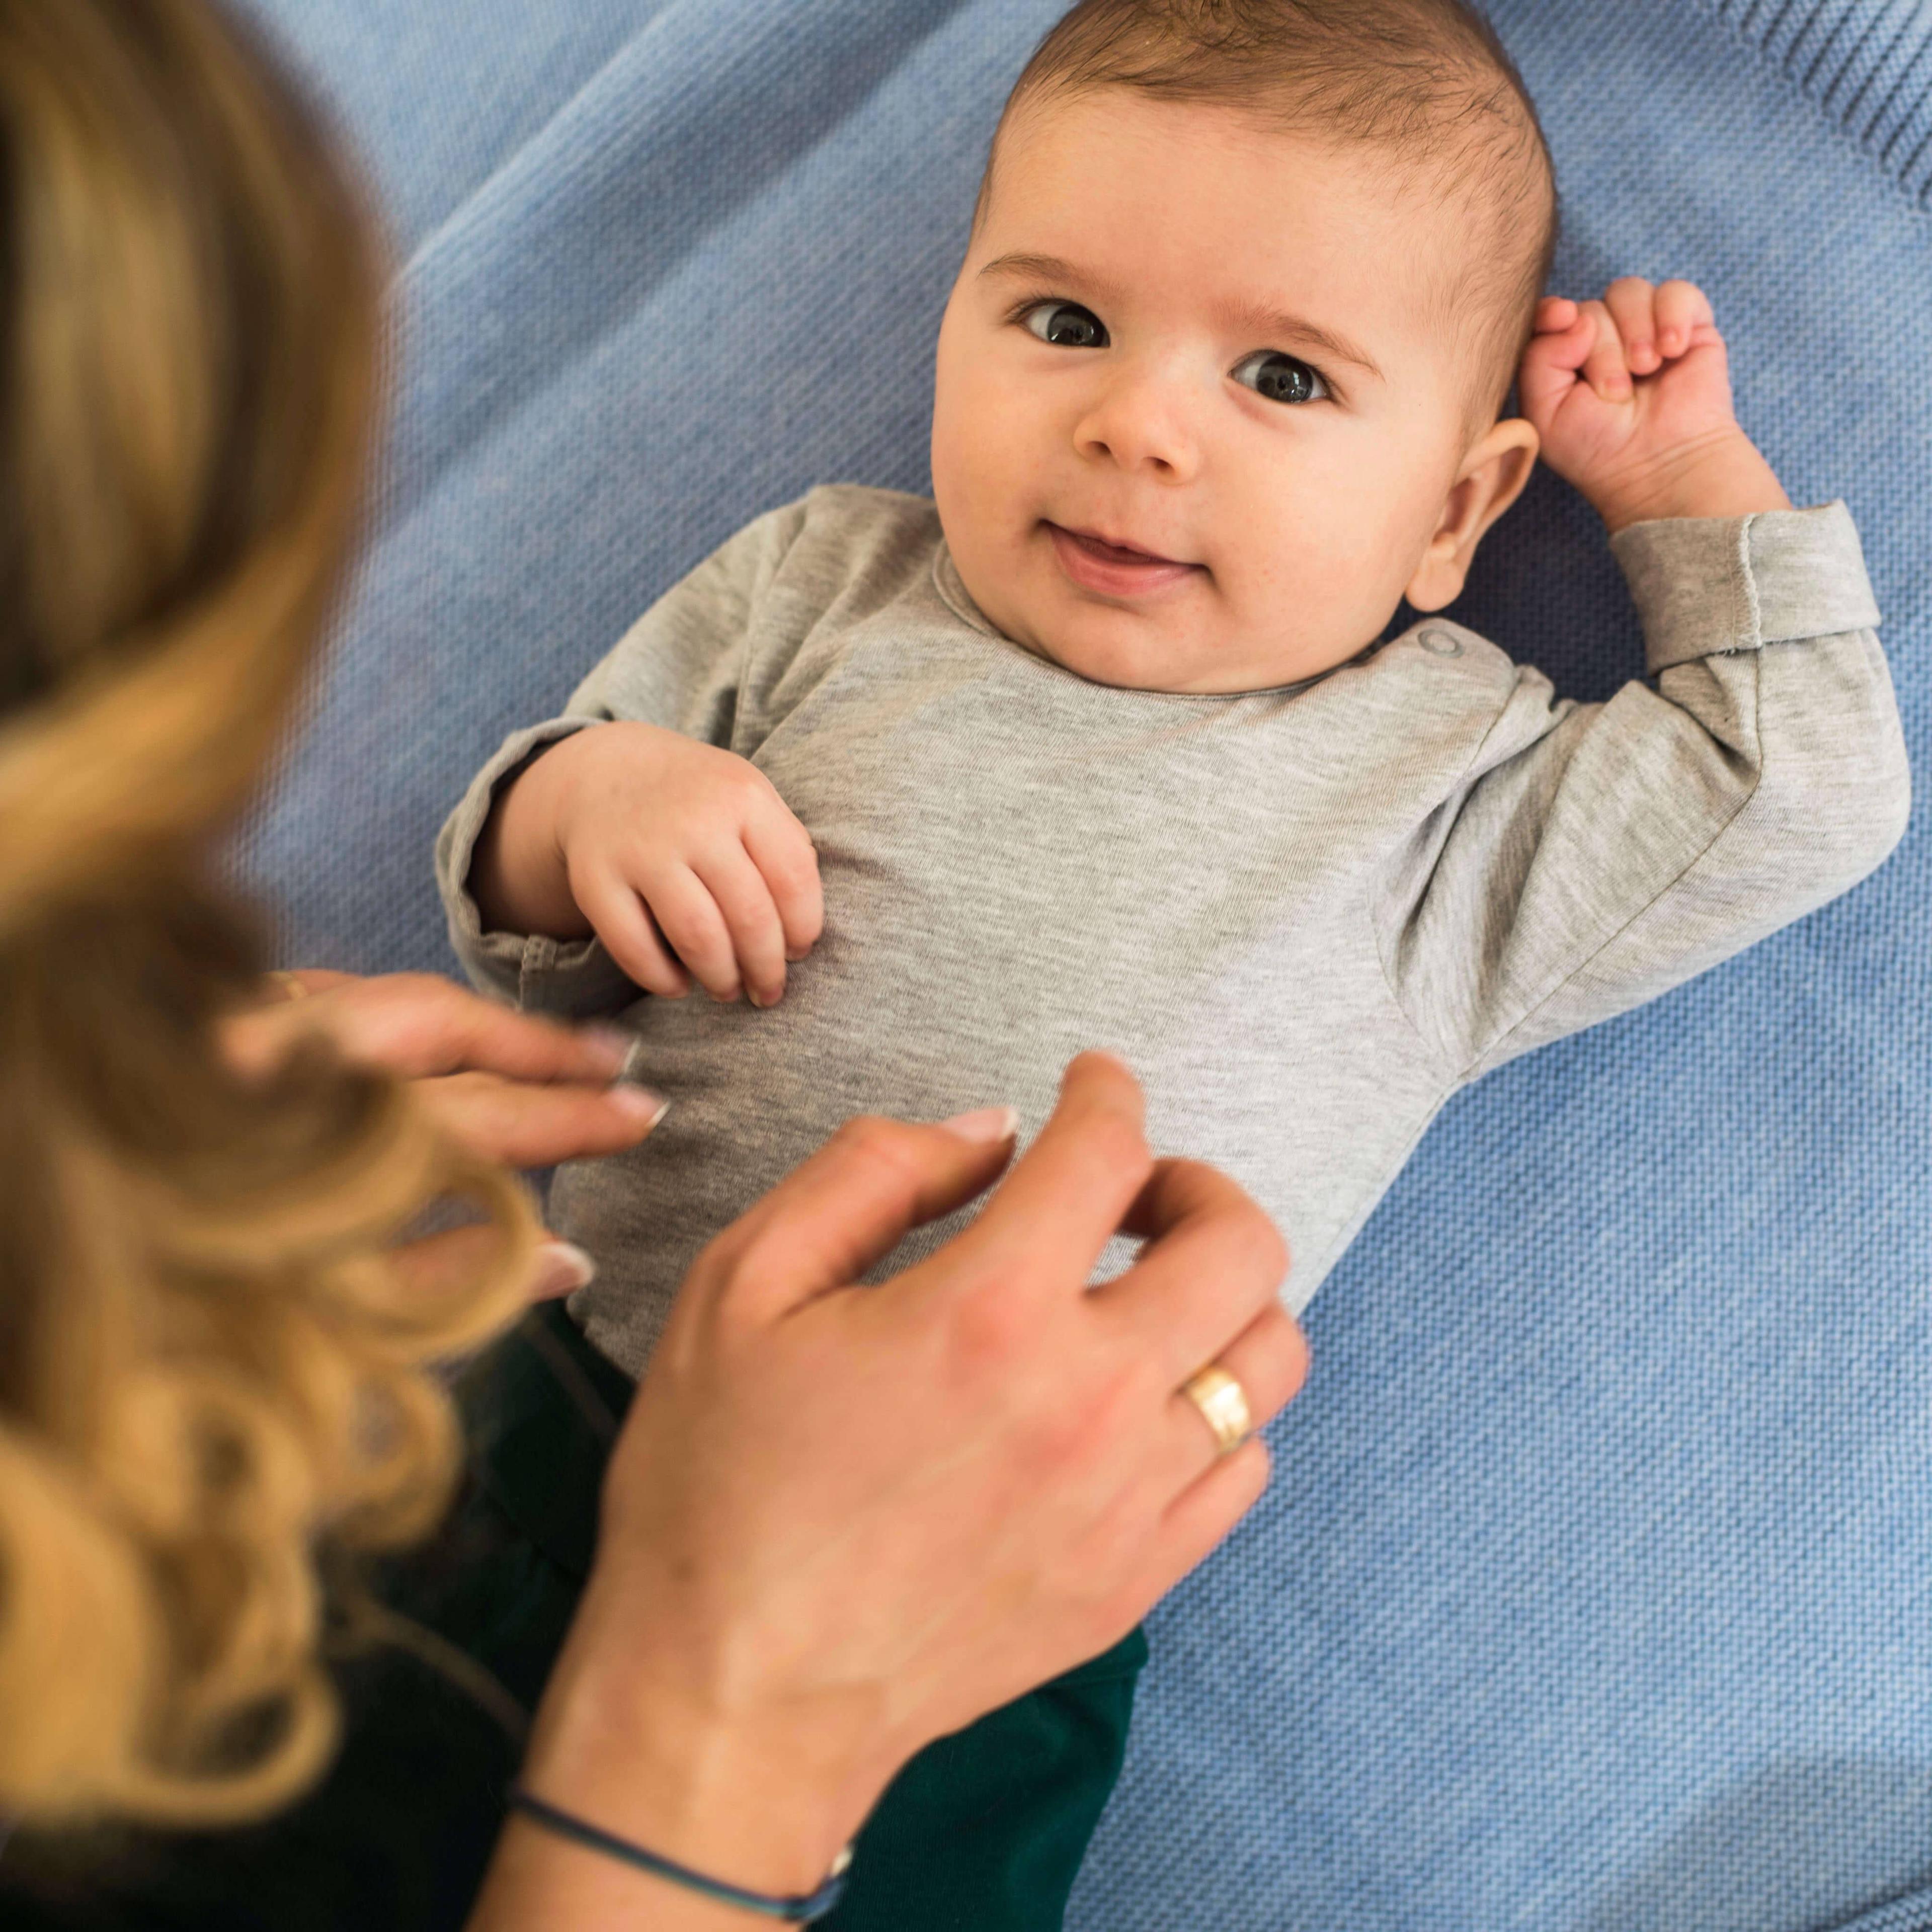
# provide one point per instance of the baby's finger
(1632, 303)
(688, 917)
(1680, 307)
(624, 924)
(1550, 367)
(782, 850)
(1554, 314)
(1604, 368)
(739, 891)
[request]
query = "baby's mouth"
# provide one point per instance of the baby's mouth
(1113, 569)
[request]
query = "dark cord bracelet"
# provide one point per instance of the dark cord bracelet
(798, 1911)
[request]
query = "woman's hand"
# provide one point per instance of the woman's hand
(843, 1520)
(519, 1091)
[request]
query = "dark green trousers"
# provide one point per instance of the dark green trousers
(984, 1830)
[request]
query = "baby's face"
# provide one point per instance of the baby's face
(1197, 420)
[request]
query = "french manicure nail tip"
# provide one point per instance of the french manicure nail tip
(563, 1267)
(617, 1044)
(986, 1124)
(642, 1104)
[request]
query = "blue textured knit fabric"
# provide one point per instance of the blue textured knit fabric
(1594, 1589)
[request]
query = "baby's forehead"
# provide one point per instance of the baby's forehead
(1440, 237)
(1435, 193)
(1357, 216)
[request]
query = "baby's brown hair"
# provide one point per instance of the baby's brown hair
(1425, 82)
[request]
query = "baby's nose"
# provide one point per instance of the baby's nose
(1143, 423)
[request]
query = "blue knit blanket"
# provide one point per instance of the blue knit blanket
(1594, 1589)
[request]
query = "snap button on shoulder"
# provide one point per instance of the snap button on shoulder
(1441, 643)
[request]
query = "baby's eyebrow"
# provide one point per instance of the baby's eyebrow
(1022, 263)
(1271, 325)
(1046, 269)
(1264, 324)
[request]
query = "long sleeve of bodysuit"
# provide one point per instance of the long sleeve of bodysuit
(1593, 855)
(680, 666)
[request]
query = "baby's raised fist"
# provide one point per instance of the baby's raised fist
(1631, 397)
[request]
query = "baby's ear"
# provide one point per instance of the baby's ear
(1491, 478)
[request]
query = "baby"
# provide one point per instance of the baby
(1099, 748)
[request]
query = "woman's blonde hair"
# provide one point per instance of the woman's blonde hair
(209, 1360)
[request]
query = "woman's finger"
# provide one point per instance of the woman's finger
(304, 980)
(739, 891)
(416, 1025)
(524, 1126)
(1199, 1518)
(1067, 1194)
(1631, 301)
(447, 1265)
(1212, 1262)
(1269, 1359)
(851, 1203)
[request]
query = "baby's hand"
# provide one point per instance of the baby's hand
(1632, 398)
(677, 851)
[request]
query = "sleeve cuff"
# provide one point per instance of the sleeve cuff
(569, 979)
(1707, 584)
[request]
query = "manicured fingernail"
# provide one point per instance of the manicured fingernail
(563, 1268)
(612, 1044)
(641, 1104)
(987, 1124)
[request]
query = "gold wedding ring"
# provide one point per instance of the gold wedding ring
(292, 988)
(1223, 1404)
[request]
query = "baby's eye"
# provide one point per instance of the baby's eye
(1066, 325)
(1282, 379)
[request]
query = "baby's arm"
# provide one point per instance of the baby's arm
(670, 850)
(1631, 396)
(1593, 855)
(591, 838)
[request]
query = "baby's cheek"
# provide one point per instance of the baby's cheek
(980, 466)
(1325, 567)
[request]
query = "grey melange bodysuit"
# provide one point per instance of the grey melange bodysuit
(1304, 916)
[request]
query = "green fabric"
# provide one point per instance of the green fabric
(984, 1829)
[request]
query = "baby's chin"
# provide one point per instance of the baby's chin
(1182, 640)
(1148, 651)
(1127, 663)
